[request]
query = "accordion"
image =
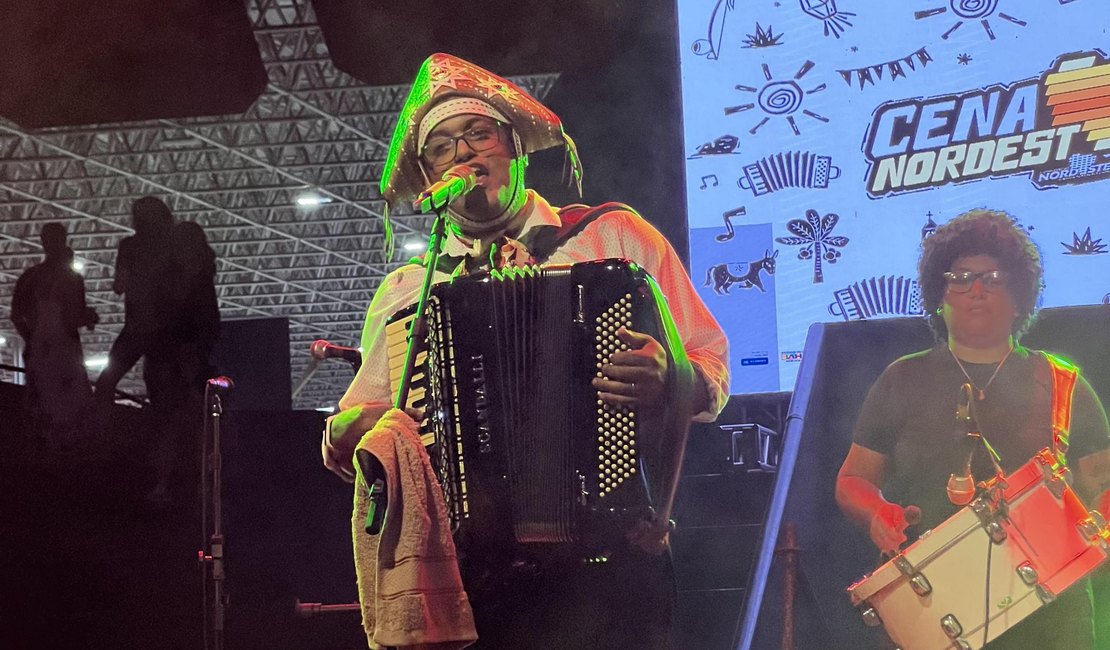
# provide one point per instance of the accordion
(524, 449)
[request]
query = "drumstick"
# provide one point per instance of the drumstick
(913, 517)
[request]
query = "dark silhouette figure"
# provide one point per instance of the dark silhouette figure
(48, 310)
(176, 370)
(197, 324)
(144, 275)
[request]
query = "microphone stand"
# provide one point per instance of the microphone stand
(962, 489)
(310, 370)
(211, 488)
(372, 471)
(999, 480)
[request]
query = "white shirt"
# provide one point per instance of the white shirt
(616, 234)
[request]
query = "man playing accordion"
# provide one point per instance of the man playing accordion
(460, 114)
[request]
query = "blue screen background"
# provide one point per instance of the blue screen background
(778, 102)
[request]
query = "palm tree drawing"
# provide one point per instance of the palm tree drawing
(814, 235)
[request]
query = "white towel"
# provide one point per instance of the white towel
(408, 576)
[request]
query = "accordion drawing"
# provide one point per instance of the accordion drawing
(877, 298)
(789, 169)
(524, 449)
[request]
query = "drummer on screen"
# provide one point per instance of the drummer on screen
(980, 278)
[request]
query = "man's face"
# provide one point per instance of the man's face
(984, 312)
(485, 145)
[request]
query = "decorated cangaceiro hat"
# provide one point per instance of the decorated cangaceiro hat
(442, 77)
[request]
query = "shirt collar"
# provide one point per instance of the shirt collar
(540, 213)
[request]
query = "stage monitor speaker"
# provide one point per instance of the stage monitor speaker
(254, 353)
(69, 63)
(720, 509)
(288, 526)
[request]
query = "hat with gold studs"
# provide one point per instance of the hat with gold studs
(447, 86)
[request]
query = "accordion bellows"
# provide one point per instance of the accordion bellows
(524, 449)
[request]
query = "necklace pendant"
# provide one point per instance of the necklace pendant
(982, 394)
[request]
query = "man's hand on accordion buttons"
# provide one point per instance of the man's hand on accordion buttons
(635, 377)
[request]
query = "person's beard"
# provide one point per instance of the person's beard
(478, 208)
(481, 217)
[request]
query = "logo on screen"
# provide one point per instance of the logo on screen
(1055, 128)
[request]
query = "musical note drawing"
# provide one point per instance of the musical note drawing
(710, 47)
(703, 179)
(727, 216)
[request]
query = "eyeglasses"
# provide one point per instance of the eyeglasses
(960, 282)
(441, 150)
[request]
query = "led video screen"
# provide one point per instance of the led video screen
(825, 140)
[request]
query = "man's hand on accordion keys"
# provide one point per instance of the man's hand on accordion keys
(635, 377)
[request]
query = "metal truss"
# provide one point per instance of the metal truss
(314, 129)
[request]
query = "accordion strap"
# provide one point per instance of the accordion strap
(545, 240)
(1064, 376)
(681, 379)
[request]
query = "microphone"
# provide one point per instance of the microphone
(456, 182)
(221, 384)
(961, 488)
(321, 350)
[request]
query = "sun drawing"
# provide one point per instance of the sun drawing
(779, 99)
(965, 10)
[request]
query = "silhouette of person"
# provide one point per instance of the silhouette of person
(197, 324)
(144, 275)
(48, 310)
(175, 371)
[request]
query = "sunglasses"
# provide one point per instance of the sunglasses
(961, 281)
